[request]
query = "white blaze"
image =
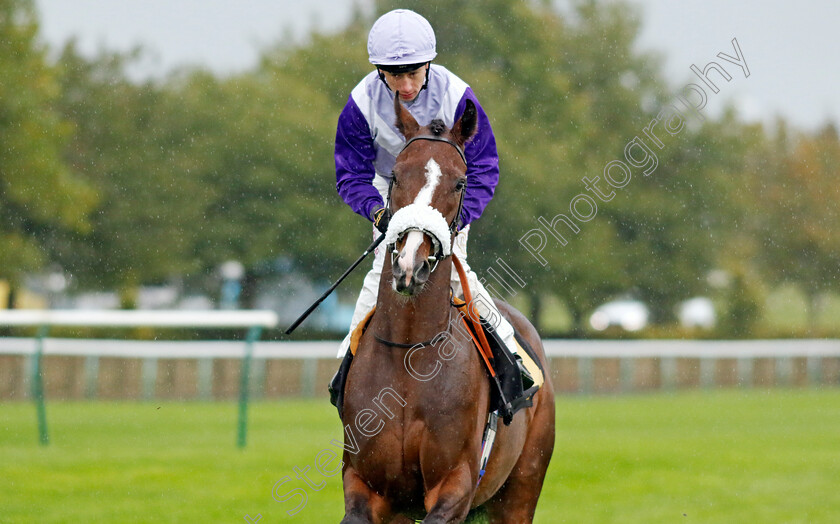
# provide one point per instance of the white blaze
(433, 174)
(415, 238)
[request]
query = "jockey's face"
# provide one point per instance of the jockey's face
(408, 84)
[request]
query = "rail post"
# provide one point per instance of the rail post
(242, 427)
(38, 385)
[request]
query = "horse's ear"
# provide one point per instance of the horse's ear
(406, 123)
(465, 127)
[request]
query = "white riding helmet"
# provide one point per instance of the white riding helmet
(401, 37)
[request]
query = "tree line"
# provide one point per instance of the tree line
(122, 183)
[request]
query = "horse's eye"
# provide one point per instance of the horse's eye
(460, 184)
(394, 178)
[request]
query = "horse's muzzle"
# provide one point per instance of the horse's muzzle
(411, 267)
(409, 284)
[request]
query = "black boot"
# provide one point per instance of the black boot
(336, 385)
(527, 378)
(510, 393)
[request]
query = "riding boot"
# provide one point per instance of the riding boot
(336, 385)
(527, 378)
(514, 382)
(532, 374)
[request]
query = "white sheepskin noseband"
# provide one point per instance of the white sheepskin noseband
(423, 218)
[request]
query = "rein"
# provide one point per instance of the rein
(400, 345)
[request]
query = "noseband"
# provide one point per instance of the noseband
(455, 224)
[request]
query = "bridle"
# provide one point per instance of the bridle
(436, 139)
(455, 224)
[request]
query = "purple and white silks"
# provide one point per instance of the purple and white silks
(367, 140)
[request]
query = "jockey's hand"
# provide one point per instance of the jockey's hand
(381, 217)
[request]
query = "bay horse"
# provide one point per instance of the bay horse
(417, 455)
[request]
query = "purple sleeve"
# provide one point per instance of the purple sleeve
(354, 156)
(482, 162)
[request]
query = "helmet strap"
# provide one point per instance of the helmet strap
(382, 77)
(428, 68)
(425, 84)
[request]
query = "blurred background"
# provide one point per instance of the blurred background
(160, 155)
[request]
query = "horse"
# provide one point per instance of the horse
(418, 391)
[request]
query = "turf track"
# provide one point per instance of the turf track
(768, 456)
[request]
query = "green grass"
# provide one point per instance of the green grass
(725, 456)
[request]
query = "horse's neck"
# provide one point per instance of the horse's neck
(416, 319)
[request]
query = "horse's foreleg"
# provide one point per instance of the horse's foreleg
(362, 505)
(450, 500)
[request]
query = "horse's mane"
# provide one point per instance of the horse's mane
(437, 127)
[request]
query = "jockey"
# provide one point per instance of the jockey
(401, 45)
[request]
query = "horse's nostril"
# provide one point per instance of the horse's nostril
(422, 273)
(399, 279)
